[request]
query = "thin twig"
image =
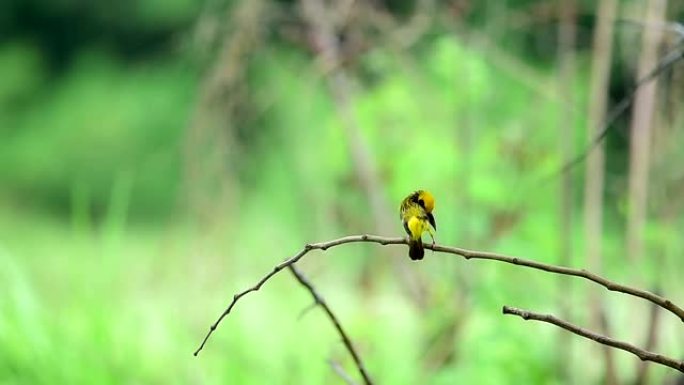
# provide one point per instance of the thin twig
(339, 370)
(320, 246)
(642, 354)
(306, 310)
(668, 61)
(465, 253)
(319, 300)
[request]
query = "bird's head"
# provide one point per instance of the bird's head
(424, 200)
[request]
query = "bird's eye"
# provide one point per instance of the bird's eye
(421, 203)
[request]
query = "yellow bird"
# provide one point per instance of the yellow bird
(416, 214)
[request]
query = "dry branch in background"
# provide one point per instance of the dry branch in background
(210, 139)
(642, 354)
(664, 64)
(641, 129)
(318, 299)
(567, 31)
(467, 254)
(324, 33)
(602, 51)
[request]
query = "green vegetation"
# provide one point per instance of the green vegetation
(114, 260)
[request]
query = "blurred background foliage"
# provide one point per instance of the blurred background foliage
(158, 156)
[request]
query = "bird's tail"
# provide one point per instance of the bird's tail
(416, 250)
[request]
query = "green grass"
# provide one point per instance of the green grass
(79, 309)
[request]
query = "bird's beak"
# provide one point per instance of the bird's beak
(431, 219)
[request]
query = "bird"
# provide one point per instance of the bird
(415, 213)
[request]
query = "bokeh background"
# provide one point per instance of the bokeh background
(156, 157)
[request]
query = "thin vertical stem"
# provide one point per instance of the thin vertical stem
(566, 79)
(594, 184)
(640, 141)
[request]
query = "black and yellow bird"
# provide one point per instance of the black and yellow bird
(416, 214)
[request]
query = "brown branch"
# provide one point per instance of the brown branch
(319, 300)
(465, 253)
(610, 285)
(319, 246)
(642, 354)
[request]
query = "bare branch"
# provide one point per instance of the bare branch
(582, 273)
(465, 253)
(642, 354)
(319, 300)
(315, 246)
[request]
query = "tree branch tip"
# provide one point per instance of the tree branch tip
(509, 310)
(307, 309)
